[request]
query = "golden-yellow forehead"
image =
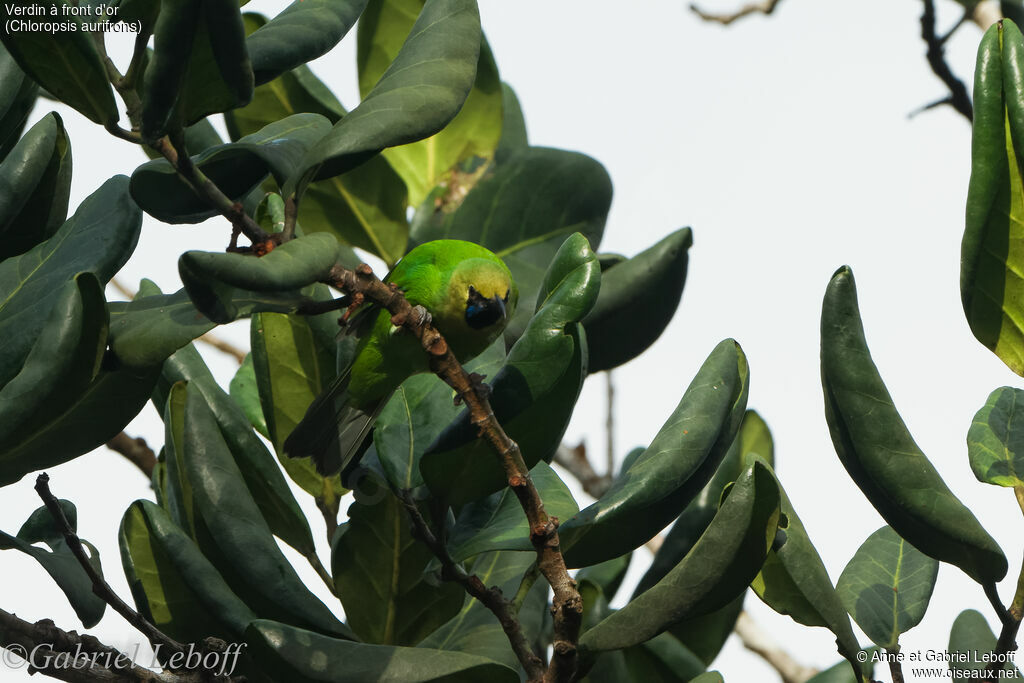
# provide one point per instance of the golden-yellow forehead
(486, 277)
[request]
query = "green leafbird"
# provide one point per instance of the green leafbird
(470, 296)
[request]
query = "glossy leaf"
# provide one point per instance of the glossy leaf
(638, 298)
(225, 287)
(174, 586)
(709, 677)
(753, 439)
(177, 489)
(300, 33)
(878, 451)
(523, 213)
(237, 527)
(18, 95)
(146, 331)
(99, 238)
(474, 131)
(995, 442)
(705, 635)
(608, 575)
(236, 168)
(292, 654)
(843, 673)
(474, 630)
(291, 369)
(109, 403)
(378, 566)
(532, 398)
(991, 287)
(199, 65)
(886, 587)
(58, 561)
(58, 370)
(266, 484)
(498, 523)
(679, 462)
(35, 182)
(245, 393)
(719, 567)
(418, 95)
(66, 63)
(970, 640)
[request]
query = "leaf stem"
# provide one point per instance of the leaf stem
(895, 668)
(529, 578)
(324, 575)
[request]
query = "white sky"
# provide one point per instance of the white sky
(784, 142)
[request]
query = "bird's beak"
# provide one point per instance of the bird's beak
(499, 304)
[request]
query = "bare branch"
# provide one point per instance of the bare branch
(958, 97)
(765, 7)
(574, 459)
(136, 450)
(755, 639)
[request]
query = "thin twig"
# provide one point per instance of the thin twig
(609, 425)
(895, 668)
(567, 607)
(491, 598)
(757, 640)
(324, 575)
(99, 586)
(765, 7)
(136, 450)
(958, 96)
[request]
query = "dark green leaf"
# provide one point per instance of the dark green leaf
(263, 477)
(421, 91)
(378, 572)
(675, 467)
(236, 168)
(35, 182)
(843, 673)
(990, 285)
(607, 575)
(524, 212)
(18, 95)
(59, 562)
(474, 132)
(291, 368)
(534, 393)
(99, 238)
(57, 372)
(237, 527)
(638, 299)
(716, 570)
(709, 677)
(292, 654)
(144, 332)
(66, 63)
(175, 587)
(199, 65)
(705, 635)
(113, 399)
(971, 640)
(886, 587)
(498, 523)
(995, 442)
(177, 489)
(662, 659)
(303, 31)
(878, 451)
(225, 287)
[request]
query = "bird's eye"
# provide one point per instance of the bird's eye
(472, 292)
(507, 292)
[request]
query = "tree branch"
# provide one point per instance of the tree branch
(755, 639)
(136, 450)
(958, 97)
(765, 7)
(567, 607)
(491, 598)
(574, 459)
